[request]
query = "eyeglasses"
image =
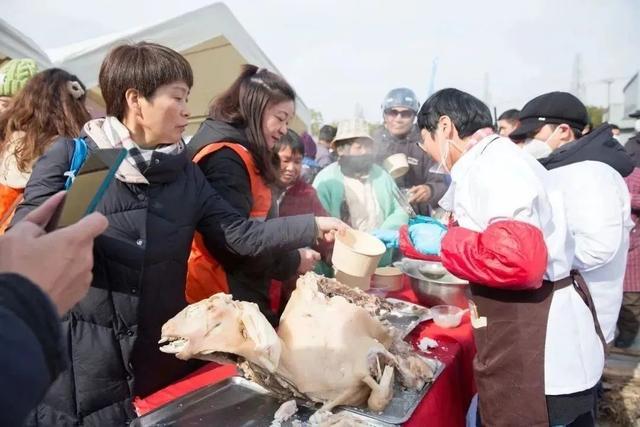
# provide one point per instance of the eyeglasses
(405, 114)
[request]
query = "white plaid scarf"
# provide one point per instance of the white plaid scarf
(110, 133)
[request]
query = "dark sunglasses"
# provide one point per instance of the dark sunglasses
(405, 114)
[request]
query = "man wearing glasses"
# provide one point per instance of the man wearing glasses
(399, 134)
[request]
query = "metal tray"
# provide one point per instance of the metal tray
(407, 316)
(232, 402)
(237, 401)
(403, 404)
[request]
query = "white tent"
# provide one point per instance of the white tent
(211, 39)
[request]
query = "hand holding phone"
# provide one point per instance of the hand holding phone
(88, 188)
(59, 262)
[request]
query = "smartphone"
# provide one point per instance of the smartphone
(88, 188)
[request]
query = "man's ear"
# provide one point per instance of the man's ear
(447, 126)
(566, 133)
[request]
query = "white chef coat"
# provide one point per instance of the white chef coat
(598, 211)
(496, 180)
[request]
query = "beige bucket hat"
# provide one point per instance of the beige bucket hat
(352, 128)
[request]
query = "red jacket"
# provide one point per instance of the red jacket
(301, 199)
(632, 275)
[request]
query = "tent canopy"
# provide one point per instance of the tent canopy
(211, 38)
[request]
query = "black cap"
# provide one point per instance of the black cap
(551, 108)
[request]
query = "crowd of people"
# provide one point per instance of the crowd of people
(542, 210)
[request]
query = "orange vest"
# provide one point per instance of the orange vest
(205, 275)
(9, 200)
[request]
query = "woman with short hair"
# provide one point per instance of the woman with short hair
(157, 201)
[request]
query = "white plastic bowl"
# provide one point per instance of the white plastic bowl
(447, 316)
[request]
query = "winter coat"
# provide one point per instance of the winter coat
(324, 157)
(598, 145)
(226, 172)
(632, 274)
(633, 148)
(419, 164)
(140, 265)
(32, 356)
(301, 198)
(329, 185)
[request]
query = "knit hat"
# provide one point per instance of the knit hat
(15, 74)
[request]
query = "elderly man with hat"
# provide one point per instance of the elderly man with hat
(354, 188)
(14, 74)
(399, 134)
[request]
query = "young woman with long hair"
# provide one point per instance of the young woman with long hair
(50, 105)
(233, 147)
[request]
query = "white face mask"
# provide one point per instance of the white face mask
(445, 151)
(441, 167)
(538, 149)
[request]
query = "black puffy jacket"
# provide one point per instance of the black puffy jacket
(139, 274)
(598, 145)
(33, 354)
(419, 165)
(633, 148)
(248, 279)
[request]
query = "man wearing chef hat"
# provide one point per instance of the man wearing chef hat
(540, 348)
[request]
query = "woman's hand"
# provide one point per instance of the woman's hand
(308, 260)
(328, 226)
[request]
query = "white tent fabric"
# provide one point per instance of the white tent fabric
(180, 33)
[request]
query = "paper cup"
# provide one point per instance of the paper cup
(357, 253)
(396, 164)
(387, 278)
(363, 283)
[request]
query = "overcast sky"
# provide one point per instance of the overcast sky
(337, 53)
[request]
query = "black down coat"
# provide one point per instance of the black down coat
(139, 277)
(599, 146)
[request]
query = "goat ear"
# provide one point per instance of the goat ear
(268, 346)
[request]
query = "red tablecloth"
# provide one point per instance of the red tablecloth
(445, 404)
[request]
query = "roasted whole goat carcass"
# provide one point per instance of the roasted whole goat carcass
(330, 346)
